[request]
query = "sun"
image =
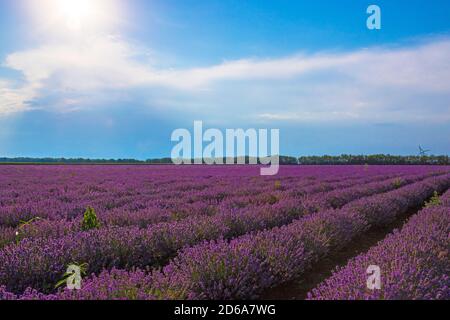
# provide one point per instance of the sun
(76, 17)
(75, 12)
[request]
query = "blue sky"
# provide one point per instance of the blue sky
(113, 79)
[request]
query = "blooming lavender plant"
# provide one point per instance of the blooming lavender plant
(131, 246)
(247, 265)
(259, 231)
(413, 263)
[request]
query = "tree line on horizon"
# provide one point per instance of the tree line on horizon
(345, 159)
(376, 159)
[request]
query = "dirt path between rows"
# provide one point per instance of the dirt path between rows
(299, 288)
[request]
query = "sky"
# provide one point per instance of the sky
(114, 78)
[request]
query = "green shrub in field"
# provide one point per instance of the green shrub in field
(434, 201)
(90, 220)
(272, 199)
(397, 183)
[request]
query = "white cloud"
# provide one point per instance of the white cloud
(13, 98)
(395, 84)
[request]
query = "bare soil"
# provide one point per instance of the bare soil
(299, 288)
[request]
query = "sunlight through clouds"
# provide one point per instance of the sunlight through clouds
(84, 54)
(363, 84)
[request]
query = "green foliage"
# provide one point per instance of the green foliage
(345, 159)
(375, 159)
(272, 199)
(434, 201)
(23, 225)
(397, 183)
(177, 216)
(90, 220)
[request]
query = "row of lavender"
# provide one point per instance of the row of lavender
(245, 266)
(40, 262)
(146, 195)
(197, 202)
(320, 192)
(414, 262)
(313, 197)
(64, 192)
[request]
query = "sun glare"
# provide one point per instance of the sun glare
(76, 15)
(76, 11)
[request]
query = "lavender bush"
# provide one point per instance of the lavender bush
(230, 232)
(413, 262)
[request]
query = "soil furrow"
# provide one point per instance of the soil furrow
(299, 288)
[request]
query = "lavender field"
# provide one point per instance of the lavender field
(222, 232)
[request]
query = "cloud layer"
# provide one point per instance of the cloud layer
(401, 84)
